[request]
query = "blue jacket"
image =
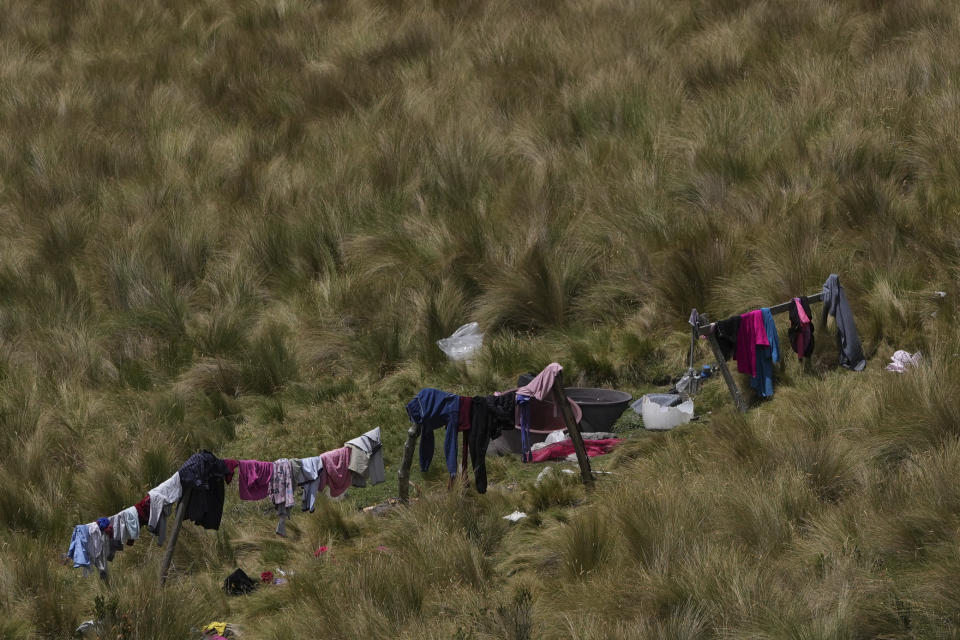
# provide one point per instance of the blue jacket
(766, 356)
(433, 408)
(78, 547)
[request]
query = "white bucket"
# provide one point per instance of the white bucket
(658, 416)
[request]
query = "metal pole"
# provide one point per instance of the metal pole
(174, 534)
(582, 458)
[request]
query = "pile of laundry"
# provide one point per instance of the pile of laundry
(200, 481)
(558, 446)
(751, 338)
(902, 360)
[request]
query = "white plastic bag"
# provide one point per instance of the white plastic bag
(464, 342)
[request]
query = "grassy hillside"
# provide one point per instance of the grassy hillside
(242, 225)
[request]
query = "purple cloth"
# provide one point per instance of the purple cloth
(253, 482)
(335, 471)
(752, 334)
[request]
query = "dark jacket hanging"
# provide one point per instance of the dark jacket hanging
(848, 340)
(203, 473)
(726, 333)
(491, 415)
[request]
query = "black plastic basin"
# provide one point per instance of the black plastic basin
(601, 407)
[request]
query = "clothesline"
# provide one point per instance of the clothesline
(751, 338)
(199, 486)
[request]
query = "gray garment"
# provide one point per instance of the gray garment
(129, 525)
(848, 340)
(370, 444)
(160, 530)
(97, 547)
(309, 479)
(357, 480)
(168, 492)
(296, 470)
(284, 512)
(310, 495)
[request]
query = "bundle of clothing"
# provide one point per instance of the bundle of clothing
(482, 418)
(751, 338)
(200, 481)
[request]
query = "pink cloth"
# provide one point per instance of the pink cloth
(752, 333)
(562, 449)
(253, 482)
(335, 472)
(541, 386)
(804, 320)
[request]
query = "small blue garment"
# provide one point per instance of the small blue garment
(762, 383)
(523, 402)
(433, 408)
(78, 547)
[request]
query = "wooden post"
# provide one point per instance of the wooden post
(174, 534)
(403, 473)
(725, 371)
(582, 458)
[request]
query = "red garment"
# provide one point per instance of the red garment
(231, 466)
(562, 449)
(466, 403)
(254, 480)
(335, 472)
(143, 511)
(752, 333)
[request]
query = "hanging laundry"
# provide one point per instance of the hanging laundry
(78, 548)
(203, 473)
(143, 511)
(766, 355)
(96, 548)
(336, 473)
(491, 416)
(848, 340)
(726, 332)
(801, 328)
(540, 387)
(366, 458)
(281, 492)
(750, 334)
(309, 479)
(254, 480)
(231, 467)
(464, 420)
(166, 493)
(430, 409)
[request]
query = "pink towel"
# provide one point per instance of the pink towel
(253, 482)
(335, 470)
(752, 333)
(541, 386)
(804, 320)
(562, 449)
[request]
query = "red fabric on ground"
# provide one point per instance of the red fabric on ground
(560, 450)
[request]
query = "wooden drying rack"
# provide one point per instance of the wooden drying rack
(703, 327)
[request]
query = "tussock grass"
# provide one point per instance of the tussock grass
(243, 226)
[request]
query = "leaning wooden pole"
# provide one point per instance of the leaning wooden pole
(582, 458)
(174, 534)
(403, 474)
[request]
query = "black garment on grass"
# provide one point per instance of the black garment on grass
(238, 583)
(491, 415)
(726, 332)
(203, 475)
